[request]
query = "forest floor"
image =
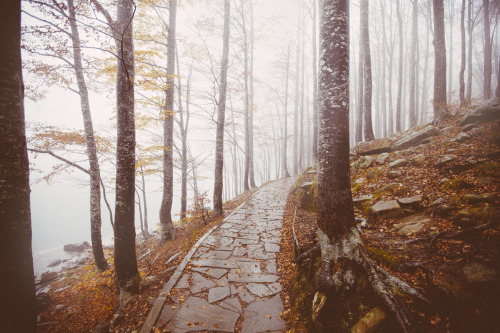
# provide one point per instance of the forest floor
(446, 242)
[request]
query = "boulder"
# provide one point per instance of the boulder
(411, 202)
(486, 113)
(462, 137)
(42, 301)
(418, 159)
(480, 198)
(387, 209)
(358, 201)
(359, 181)
(415, 138)
(54, 263)
(382, 158)
(391, 187)
(368, 160)
(411, 225)
(476, 272)
(370, 321)
(398, 163)
(376, 146)
(463, 218)
(48, 276)
(444, 161)
(146, 282)
(394, 174)
(76, 247)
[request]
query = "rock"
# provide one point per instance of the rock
(48, 276)
(306, 186)
(444, 161)
(218, 293)
(55, 263)
(462, 137)
(368, 160)
(463, 218)
(479, 273)
(358, 201)
(60, 307)
(382, 158)
(387, 209)
(415, 138)
(480, 198)
(391, 187)
(147, 282)
(398, 163)
(418, 159)
(370, 321)
(394, 174)
(264, 316)
(200, 283)
(42, 301)
(372, 174)
(359, 181)
(437, 202)
(103, 327)
(118, 318)
(376, 146)
(483, 114)
(76, 247)
(172, 258)
(411, 224)
(411, 202)
(467, 128)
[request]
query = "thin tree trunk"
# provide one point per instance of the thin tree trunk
(497, 93)
(95, 175)
(315, 85)
(424, 103)
(146, 227)
(295, 169)
(367, 74)
(361, 103)
(246, 183)
(413, 87)
(17, 294)
(219, 149)
(440, 104)
(487, 51)
(400, 67)
(251, 175)
(301, 120)
(450, 62)
(286, 174)
(138, 202)
(461, 77)
(470, 27)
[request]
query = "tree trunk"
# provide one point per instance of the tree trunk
(17, 294)
(295, 169)
(127, 274)
(315, 85)
(439, 62)
(413, 67)
(497, 93)
(251, 169)
(301, 118)
(95, 175)
(286, 174)
(487, 51)
(167, 227)
(400, 67)
(246, 183)
(219, 145)
(146, 227)
(450, 62)
(367, 74)
(470, 28)
(359, 117)
(461, 77)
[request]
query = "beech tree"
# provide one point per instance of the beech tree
(463, 56)
(439, 101)
(343, 255)
(167, 227)
(367, 73)
(17, 294)
(127, 274)
(219, 150)
(487, 50)
(400, 66)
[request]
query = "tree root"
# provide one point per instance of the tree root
(312, 254)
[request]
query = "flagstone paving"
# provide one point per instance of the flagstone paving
(230, 274)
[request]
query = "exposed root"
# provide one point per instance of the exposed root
(312, 254)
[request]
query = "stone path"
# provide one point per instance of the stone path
(230, 274)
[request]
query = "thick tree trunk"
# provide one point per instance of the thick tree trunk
(219, 143)
(497, 93)
(450, 60)
(440, 104)
(286, 174)
(487, 50)
(413, 67)
(461, 77)
(167, 227)
(95, 175)
(125, 259)
(424, 102)
(359, 115)
(17, 294)
(400, 67)
(315, 85)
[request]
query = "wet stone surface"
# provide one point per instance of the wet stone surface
(233, 272)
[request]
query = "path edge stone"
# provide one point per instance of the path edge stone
(162, 296)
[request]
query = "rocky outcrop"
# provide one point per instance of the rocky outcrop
(376, 146)
(415, 138)
(76, 247)
(483, 114)
(387, 209)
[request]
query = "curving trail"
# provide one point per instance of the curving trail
(229, 276)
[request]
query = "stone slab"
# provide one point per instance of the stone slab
(218, 293)
(216, 263)
(258, 289)
(249, 278)
(213, 272)
(201, 283)
(264, 316)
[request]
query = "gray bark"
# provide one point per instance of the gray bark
(413, 67)
(251, 170)
(440, 104)
(315, 85)
(295, 166)
(367, 74)
(461, 77)
(470, 28)
(487, 51)
(400, 67)
(95, 175)
(359, 115)
(285, 172)
(17, 294)
(219, 149)
(167, 227)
